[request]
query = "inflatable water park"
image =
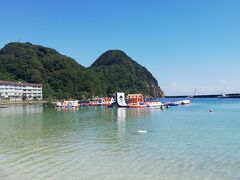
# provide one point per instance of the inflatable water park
(120, 101)
(138, 101)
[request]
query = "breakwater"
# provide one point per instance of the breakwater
(234, 95)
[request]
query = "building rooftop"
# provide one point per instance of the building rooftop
(20, 83)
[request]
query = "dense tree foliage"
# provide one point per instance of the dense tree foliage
(62, 77)
(120, 73)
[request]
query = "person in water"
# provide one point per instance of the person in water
(162, 107)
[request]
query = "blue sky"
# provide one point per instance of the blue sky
(186, 44)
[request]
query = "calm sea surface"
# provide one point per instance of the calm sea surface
(181, 143)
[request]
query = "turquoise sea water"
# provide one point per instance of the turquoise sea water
(181, 143)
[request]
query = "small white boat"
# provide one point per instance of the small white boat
(68, 104)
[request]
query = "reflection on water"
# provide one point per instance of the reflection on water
(13, 110)
(121, 122)
(183, 143)
(121, 114)
(141, 112)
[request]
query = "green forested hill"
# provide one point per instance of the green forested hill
(62, 77)
(119, 72)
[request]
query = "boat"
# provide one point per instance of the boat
(84, 103)
(68, 105)
(105, 101)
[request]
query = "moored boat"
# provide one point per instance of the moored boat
(105, 101)
(68, 104)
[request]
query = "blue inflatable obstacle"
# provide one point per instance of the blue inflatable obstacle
(177, 103)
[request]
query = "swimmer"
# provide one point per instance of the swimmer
(162, 107)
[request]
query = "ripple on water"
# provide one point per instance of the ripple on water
(180, 144)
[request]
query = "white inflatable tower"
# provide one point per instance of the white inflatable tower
(121, 99)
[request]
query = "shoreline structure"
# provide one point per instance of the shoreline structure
(18, 91)
(11, 102)
(233, 95)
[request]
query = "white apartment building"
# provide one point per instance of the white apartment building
(19, 91)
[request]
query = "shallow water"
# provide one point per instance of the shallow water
(179, 143)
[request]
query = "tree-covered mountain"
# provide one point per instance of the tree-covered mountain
(62, 77)
(118, 72)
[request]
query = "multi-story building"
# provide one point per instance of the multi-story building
(20, 91)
